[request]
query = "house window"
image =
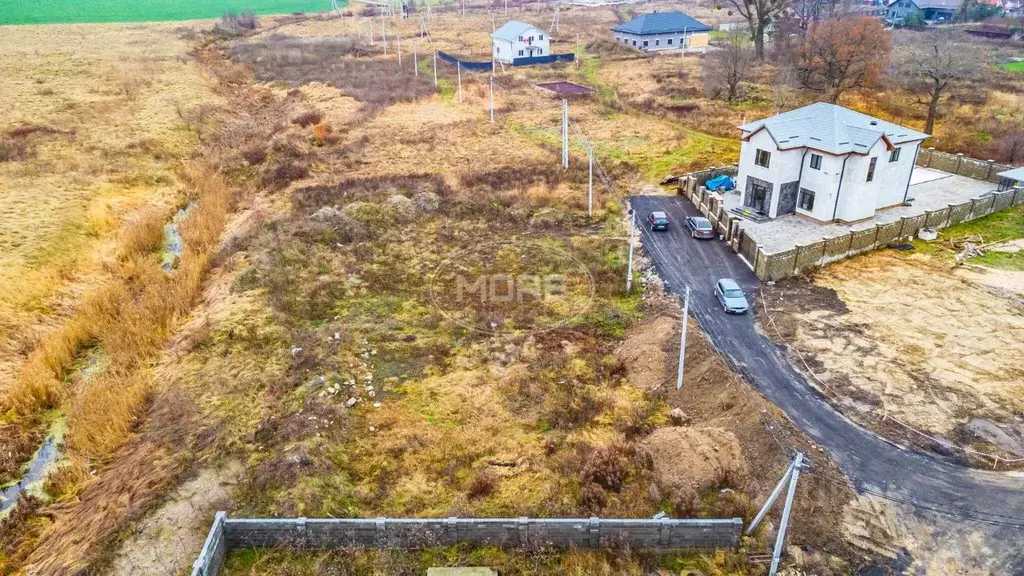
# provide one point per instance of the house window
(762, 158)
(669, 42)
(634, 42)
(645, 43)
(894, 156)
(816, 162)
(541, 37)
(871, 169)
(806, 201)
(520, 52)
(657, 42)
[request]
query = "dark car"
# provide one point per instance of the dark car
(730, 296)
(700, 227)
(657, 221)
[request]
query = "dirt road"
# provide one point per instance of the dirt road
(939, 491)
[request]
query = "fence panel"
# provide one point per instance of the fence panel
(889, 232)
(777, 266)
(211, 557)
(944, 162)
(1018, 197)
(912, 224)
(982, 207)
(936, 218)
(836, 248)
(977, 169)
(808, 257)
(1002, 201)
(863, 239)
(748, 248)
(960, 212)
(465, 64)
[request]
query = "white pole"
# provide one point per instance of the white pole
(771, 500)
(435, 69)
(506, 7)
(590, 188)
(492, 98)
(629, 269)
(565, 133)
(399, 51)
(463, 8)
(781, 538)
(682, 49)
(682, 342)
(458, 65)
(384, 37)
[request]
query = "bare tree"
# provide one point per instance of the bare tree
(843, 53)
(928, 64)
(759, 13)
(725, 68)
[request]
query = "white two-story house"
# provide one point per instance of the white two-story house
(519, 40)
(825, 162)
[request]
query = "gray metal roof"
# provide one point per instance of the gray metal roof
(942, 4)
(661, 23)
(1013, 174)
(831, 128)
(511, 31)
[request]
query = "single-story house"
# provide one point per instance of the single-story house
(662, 31)
(929, 10)
(825, 162)
(519, 40)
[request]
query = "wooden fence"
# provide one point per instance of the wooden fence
(417, 533)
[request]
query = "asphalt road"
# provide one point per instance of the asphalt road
(935, 487)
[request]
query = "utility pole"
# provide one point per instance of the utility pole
(415, 62)
(458, 65)
(384, 37)
(463, 8)
(792, 475)
(590, 183)
(565, 133)
(399, 51)
(629, 268)
(435, 69)
(781, 538)
(682, 341)
(506, 7)
(682, 42)
(492, 97)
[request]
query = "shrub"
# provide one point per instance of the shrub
(284, 173)
(308, 118)
(482, 485)
(254, 155)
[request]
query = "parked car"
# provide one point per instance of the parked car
(731, 297)
(700, 227)
(657, 221)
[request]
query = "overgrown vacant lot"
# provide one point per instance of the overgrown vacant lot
(297, 360)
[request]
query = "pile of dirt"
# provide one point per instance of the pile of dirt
(643, 353)
(698, 457)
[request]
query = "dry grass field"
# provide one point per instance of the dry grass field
(295, 361)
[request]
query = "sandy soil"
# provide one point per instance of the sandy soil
(168, 540)
(700, 457)
(909, 338)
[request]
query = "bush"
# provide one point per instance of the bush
(482, 485)
(254, 155)
(284, 173)
(308, 118)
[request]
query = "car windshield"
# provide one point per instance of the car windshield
(659, 217)
(733, 293)
(703, 225)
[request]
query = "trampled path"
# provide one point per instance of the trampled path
(935, 487)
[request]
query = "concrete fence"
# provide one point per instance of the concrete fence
(416, 533)
(802, 258)
(960, 164)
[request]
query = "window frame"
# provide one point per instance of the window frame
(767, 158)
(872, 164)
(645, 43)
(894, 155)
(815, 161)
(801, 196)
(668, 42)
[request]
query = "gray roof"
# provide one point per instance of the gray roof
(511, 31)
(942, 4)
(1013, 174)
(661, 23)
(830, 128)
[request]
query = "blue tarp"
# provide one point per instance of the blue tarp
(466, 65)
(723, 182)
(528, 61)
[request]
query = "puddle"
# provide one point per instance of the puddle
(172, 239)
(41, 464)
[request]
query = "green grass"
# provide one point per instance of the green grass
(1017, 66)
(998, 227)
(68, 11)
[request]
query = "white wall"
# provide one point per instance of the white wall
(671, 41)
(823, 182)
(510, 50)
(784, 166)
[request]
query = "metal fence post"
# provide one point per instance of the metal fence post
(594, 532)
(903, 225)
(849, 245)
(796, 259)
(874, 244)
(959, 161)
(988, 173)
